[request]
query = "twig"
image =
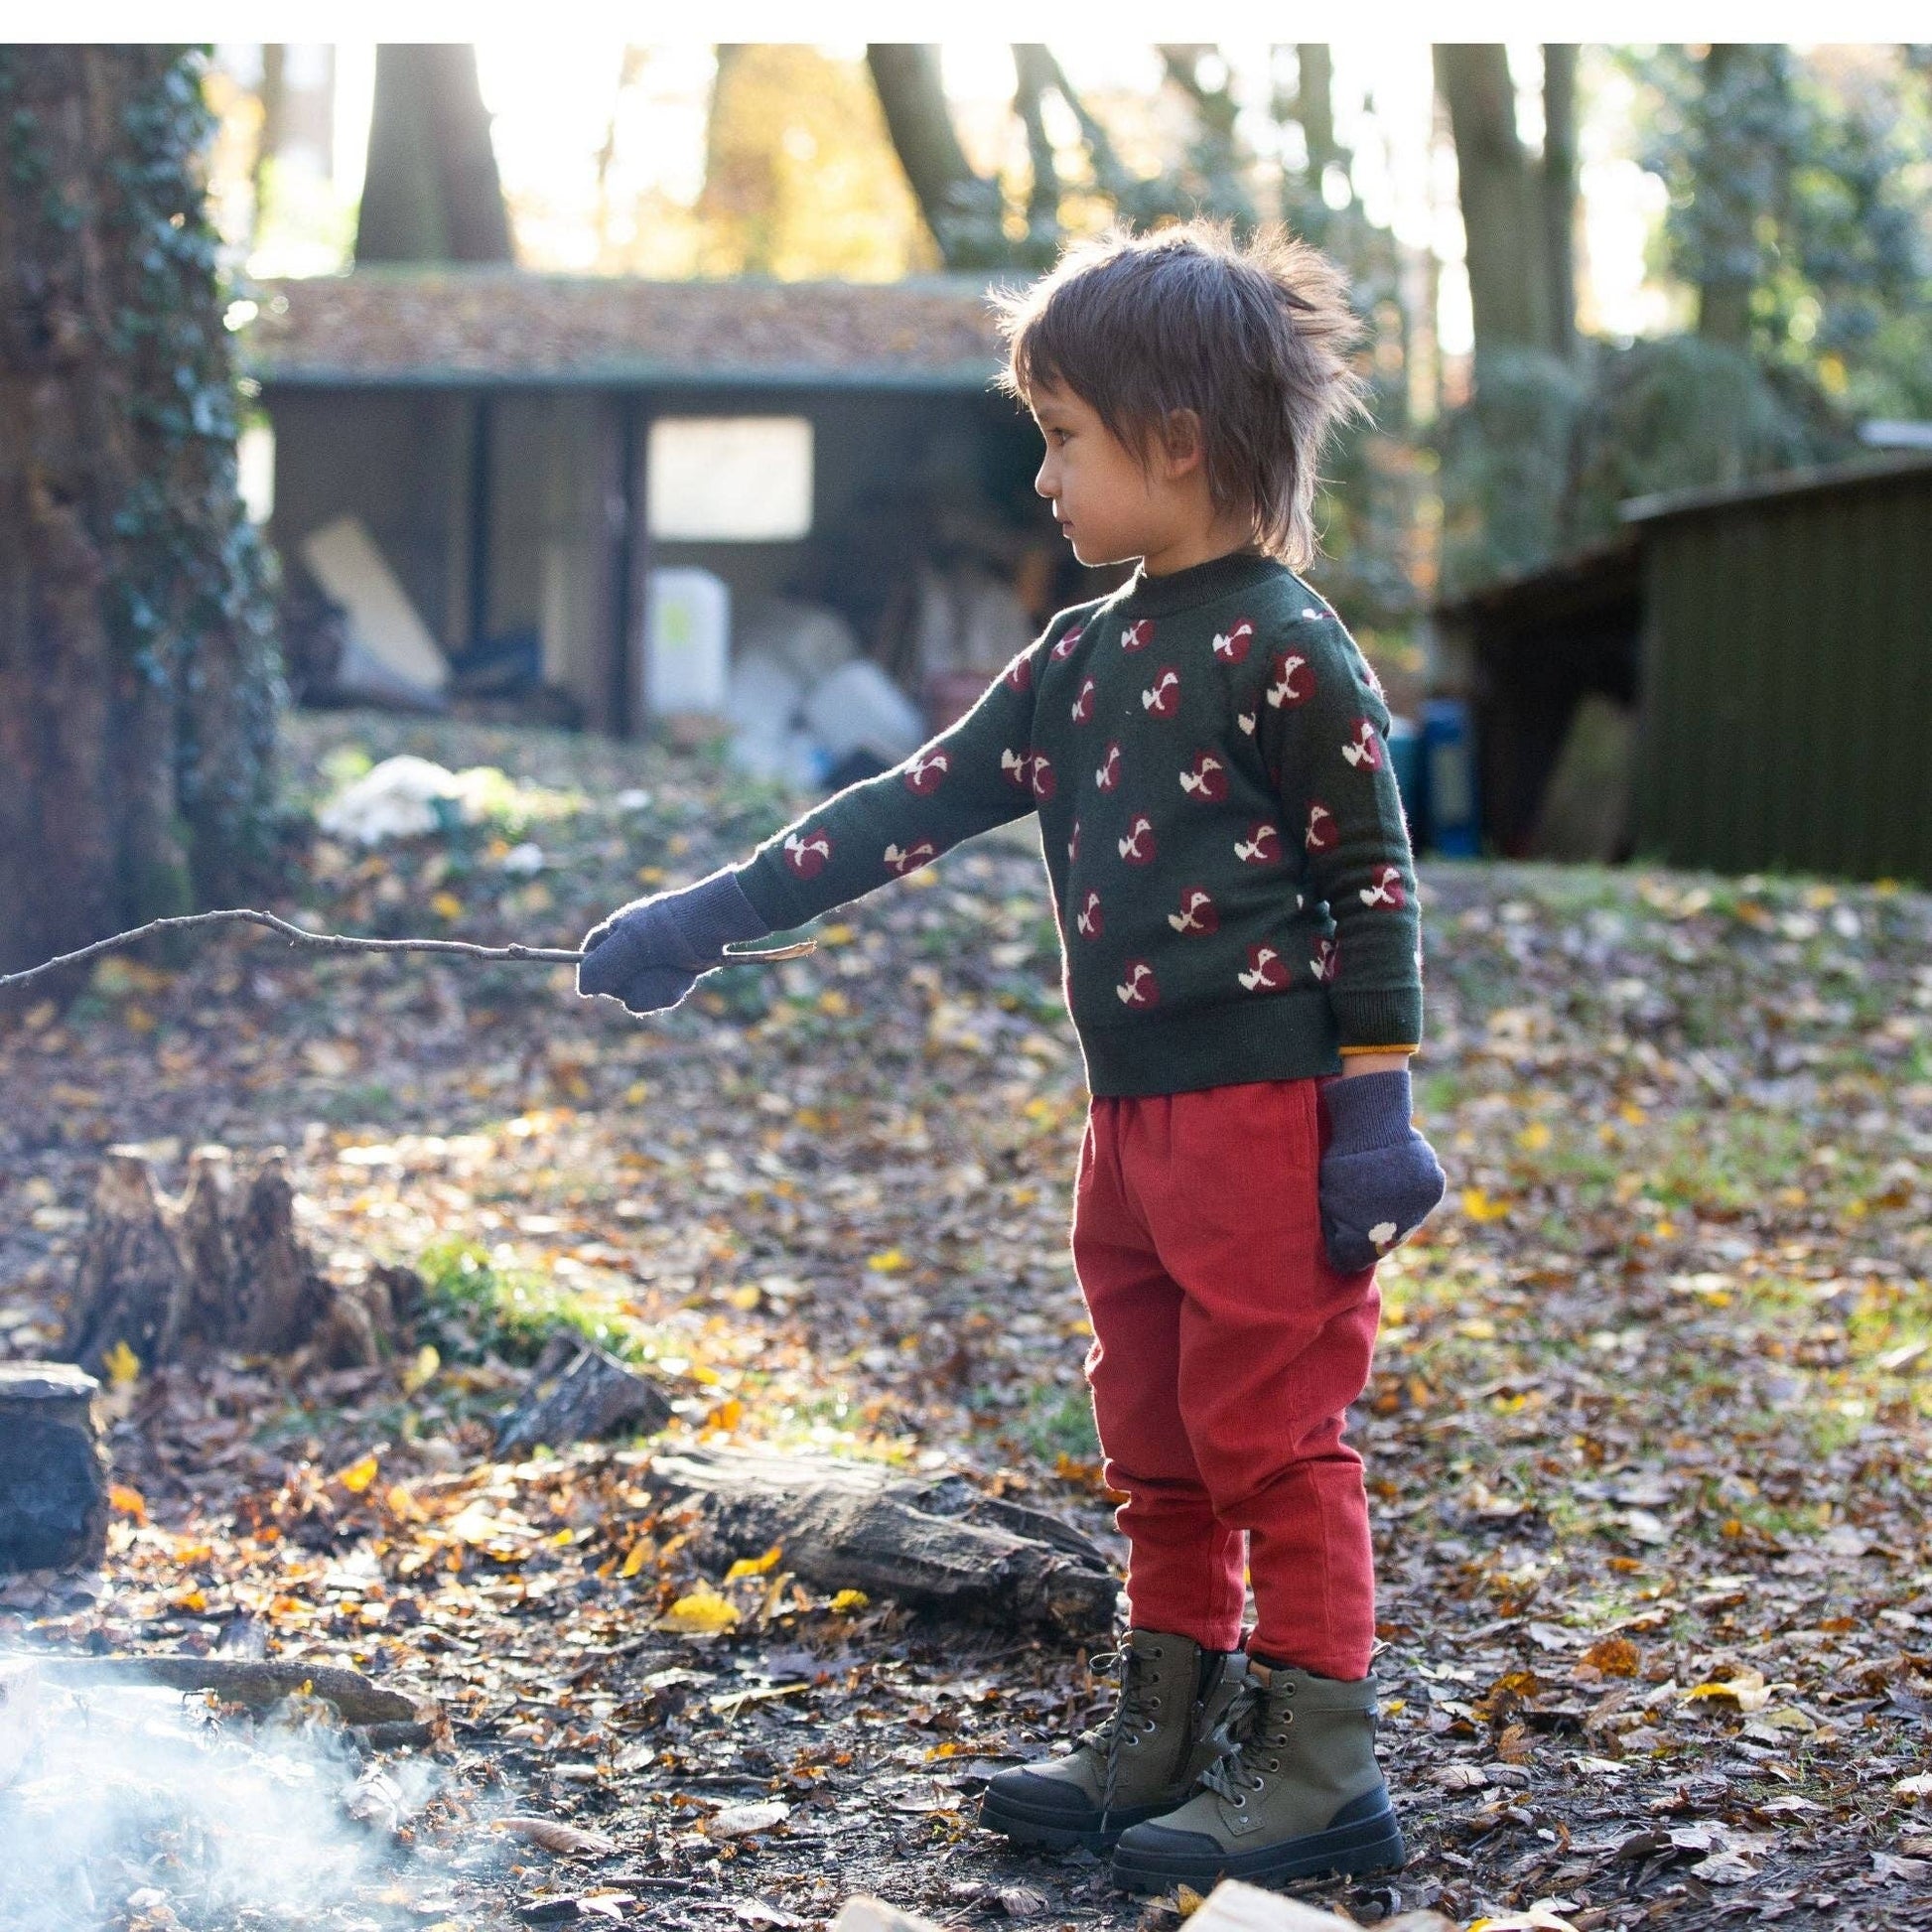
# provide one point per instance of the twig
(344, 942)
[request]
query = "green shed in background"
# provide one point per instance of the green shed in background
(1785, 673)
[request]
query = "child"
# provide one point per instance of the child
(1206, 751)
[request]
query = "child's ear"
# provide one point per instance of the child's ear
(1183, 446)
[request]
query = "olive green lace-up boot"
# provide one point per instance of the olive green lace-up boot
(1149, 1754)
(1299, 1794)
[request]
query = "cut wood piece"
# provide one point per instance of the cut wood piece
(593, 1395)
(53, 1476)
(1233, 1906)
(863, 1913)
(240, 1680)
(937, 1545)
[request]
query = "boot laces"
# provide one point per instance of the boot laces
(1132, 1712)
(1254, 1732)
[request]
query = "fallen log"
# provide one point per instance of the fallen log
(936, 1544)
(254, 1683)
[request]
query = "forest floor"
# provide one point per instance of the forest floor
(1648, 1441)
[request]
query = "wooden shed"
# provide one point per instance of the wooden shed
(495, 433)
(1771, 645)
(1786, 682)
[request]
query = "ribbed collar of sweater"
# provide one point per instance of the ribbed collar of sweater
(1199, 584)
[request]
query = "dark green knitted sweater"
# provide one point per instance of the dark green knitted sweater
(1228, 857)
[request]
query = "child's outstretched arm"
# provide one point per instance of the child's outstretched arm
(976, 775)
(1329, 741)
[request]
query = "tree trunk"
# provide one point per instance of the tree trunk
(274, 96)
(1500, 215)
(1314, 107)
(961, 207)
(1559, 192)
(137, 676)
(1740, 174)
(431, 192)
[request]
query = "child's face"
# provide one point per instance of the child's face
(1108, 505)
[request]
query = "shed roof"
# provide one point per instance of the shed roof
(1587, 579)
(1818, 478)
(486, 326)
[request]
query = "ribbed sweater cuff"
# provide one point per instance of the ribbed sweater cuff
(771, 900)
(1365, 1018)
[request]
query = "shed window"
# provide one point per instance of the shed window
(730, 478)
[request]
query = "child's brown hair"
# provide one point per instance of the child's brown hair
(1250, 337)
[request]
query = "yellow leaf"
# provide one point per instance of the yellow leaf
(195, 1601)
(1477, 1205)
(891, 1262)
(1535, 1136)
(834, 1004)
(1187, 1901)
(727, 1414)
(834, 935)
(639, 1553)
(423, 1370)
(754, 1566)
(122, 1364)
(402, 1503)
(446, 905)
(127, 1502)
(1747, 1690)
(358, 1476)
(704, 1609)
(636, 1093)
(746, 1298)
(1632, 1113)
(848, 1600)
(651, 874)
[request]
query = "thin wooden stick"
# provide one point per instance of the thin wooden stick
(344, 942)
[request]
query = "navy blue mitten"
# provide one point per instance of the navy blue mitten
(651, 953)
(1380, 1180)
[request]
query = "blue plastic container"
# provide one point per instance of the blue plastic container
(1449, 779)
(1404, 761)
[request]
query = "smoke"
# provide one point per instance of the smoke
(133, 1809)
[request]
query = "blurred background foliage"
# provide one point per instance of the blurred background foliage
(1781, 200)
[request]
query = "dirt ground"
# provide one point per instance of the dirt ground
(1647, 1442)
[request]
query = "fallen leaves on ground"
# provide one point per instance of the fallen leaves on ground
(1647, 1444)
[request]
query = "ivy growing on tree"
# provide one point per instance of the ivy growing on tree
(138, 682)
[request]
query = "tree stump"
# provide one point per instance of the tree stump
(938, 1545)
(221, 1267)
(52, 1475)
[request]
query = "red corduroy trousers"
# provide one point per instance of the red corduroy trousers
(1225, 1354)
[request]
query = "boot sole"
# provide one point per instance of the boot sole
(1371, 1844)
(1054, 1832)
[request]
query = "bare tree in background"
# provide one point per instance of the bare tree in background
(1558, 187)
(1501, 221)
(962, 206)
(1518, 210)
(431, 192)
